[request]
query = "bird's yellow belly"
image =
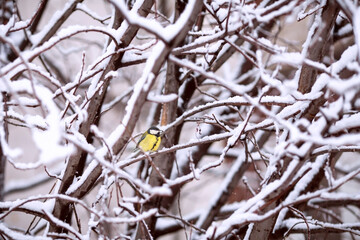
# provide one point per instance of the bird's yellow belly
(150, 143)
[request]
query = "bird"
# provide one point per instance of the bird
(150, 140)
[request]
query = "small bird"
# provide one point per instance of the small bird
(150, 140)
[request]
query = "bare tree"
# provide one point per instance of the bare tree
(260, 130)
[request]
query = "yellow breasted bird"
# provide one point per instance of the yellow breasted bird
(150, 140)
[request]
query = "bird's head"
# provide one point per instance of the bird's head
(154, 131)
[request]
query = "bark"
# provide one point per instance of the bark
(3, 158)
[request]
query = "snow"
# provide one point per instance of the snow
(246, 213)
(209, 49)
(134, 19)
(314, 169)
(162, 98)
(84, 177)
(273, 14)
(76, 29)
(174, 29)
(343, 86)
(134, 56)
(270, 45)
(238, 89)
(139, 217)
(303, 14)
(7, 231)
(38, 37)
(166, 34)
(49, 141)
(347, 122)
(314, 224)
(20, 25)
(293, 58)
(142, 85)
(63, 224)
(223, 189)
(4, 29)
(345, 29)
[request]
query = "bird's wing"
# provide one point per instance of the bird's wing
(142, 138)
